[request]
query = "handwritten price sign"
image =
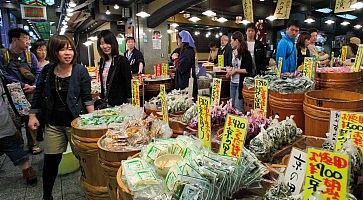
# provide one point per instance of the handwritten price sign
(279, 68)
(220, 60)
(295, 171)
(248, 9)
(261, 94)
(164, 70)
(350, 126)
(216, 91)
(157, 70)
(204, 121)
(309, 68)
(344, 53)
(326, 172)
(135, 90)
(234, 134)
(283, 8)
(358, 59)
(164, 103)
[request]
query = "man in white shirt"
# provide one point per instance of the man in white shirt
(256, 49)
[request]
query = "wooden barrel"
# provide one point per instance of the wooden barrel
(319, 103)
(340, 81)
(110, 162)
(123, 192)
(152, 87)
(84, 142)
(225, 88)
(248, 98)
(286, 105)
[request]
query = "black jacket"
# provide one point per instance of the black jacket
(118, 81)
(260, 57)
(246, 63)
(78, 97)
(300, 57)
(184, 67)
(227, 53)
(134, 60)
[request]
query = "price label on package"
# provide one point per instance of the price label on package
(135, 92)
(216, 91)
(204, 120)
(234, 134)
(261, 95)
(164, 103)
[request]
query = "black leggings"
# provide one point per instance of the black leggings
(50, 171)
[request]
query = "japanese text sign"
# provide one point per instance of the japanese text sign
(33, 12)
(326, 172)
(350, 126)
(157, 70)
(164, 70)
(344, 5)
(164, 103)
(216, 91)
(135, 90)
(279, 67)
(344, 53)
(309, 68)
(261, 94)
(333, 123)
(234, 133)
(295, 171)
(248, 10)
(204, 120)
(358, 59)
(220, 60)
(283, 8)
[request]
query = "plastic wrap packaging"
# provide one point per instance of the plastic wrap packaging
(22, 105)
(290, 86)
(190, 113)
(178, 101)
(249, 82)
(95, 87)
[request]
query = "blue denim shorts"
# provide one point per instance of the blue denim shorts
(11, 147)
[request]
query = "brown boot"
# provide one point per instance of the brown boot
(30, 176)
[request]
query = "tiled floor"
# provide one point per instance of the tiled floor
(12, 185)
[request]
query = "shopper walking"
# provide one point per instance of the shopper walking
(115, 73)
(62, 94)
(256, 49)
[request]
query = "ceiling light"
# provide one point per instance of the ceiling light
(194, 19)
(271, 18)
(65, 26)
(245, 22)
(186, 15)
(64, 22)
(108, 12)
(324, 10)
(220, 33)
(217, 35)
(222, 20)
(72, 4)
(358, 26)
(345, 23)
(209, 13)
(26, 28)
(196, 33)
(66, 18)
(348, 16)
(92, 38)
(116, 7)
(309, 20)
(207, 35)
(69, 10)
(357, 5)
(174, 25)
(170, 31)
(69, 14)
(143, 14)
(329, 21)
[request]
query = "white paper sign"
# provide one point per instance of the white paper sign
(333, 123)
(295, 172)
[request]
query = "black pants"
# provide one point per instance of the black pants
(50, 171)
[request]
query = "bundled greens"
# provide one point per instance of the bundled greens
(289, 86)
(178, 101)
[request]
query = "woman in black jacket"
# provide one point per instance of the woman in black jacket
(115, 73)
(302, 47)
(63, 93)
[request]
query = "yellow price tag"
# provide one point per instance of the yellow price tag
(216, 91)
(344, 53)
(234, 134)
(204, 121)
(221, 61)
(261, 95)
(326, 172)
(164, 70)
(164, 103)
(350, 125)
(279, 67)
(135, 92)
(309, 68)
(358, 59)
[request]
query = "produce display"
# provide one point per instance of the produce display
(189, 114)
(289, 86)
(178, 101)
(192, 173)
(249, 82)
(334, 70)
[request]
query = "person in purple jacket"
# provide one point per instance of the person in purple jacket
(18, 64)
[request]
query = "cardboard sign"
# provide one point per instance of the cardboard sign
(234, 134)
(164, 70)
(135, 92)
(283, 8)
(216, 91)
(261, 95)
(326, 172)
(295, 171)
(344, 5)
(204, 121)
(334, 123)
(221, 61)
(344, 53)
(350, 126)
(164, 103)
(358, 59)
(157, 70)
(248, 10)
(309, 68)
(279, 68)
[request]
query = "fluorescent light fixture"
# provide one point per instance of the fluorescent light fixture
(92, 38)
(324, 10)
(186, 15)
(69, 10)
(174, 25)
(358, 26)
(26, 28)
(271, 18)
(222, 20)
(70, 14)
(348, 16)
(31, 33)
(116, 7)
(170, 31)
(72, 4)
(329, 21)
(209, 13)
(345, 23)
(196, 33)
(309, 20)
(194, 19)
(245, 22)
(143, 14)
(357, 5)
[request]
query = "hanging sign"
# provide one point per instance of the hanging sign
(261, 94)
(283, 8)
(33, 12)
(309, 68)
(234, 134)
(350, 126)
(164, 103)
(344, 53)
(344, 5)
(295, 171)
(248, 10)
(164, 70)
(220, 60)
(358, 59)
(216, 91)
(279, 67)
(204, 121)
(327, 173)
(135, 90)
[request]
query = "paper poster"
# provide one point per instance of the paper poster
(350, 126)
(308, 68)
(248, 10)
(343, 5)
(220, 60)
(234, 134)
(344, 53)
(135, 90)
(327, 173)
(283, 8)
(279, 68)
(164, 70)
(216, 91)
(358, 59)
(157, 70)
(164, 103)
(204, 121)
(334, 123)
(295, 171)
(261, 95)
